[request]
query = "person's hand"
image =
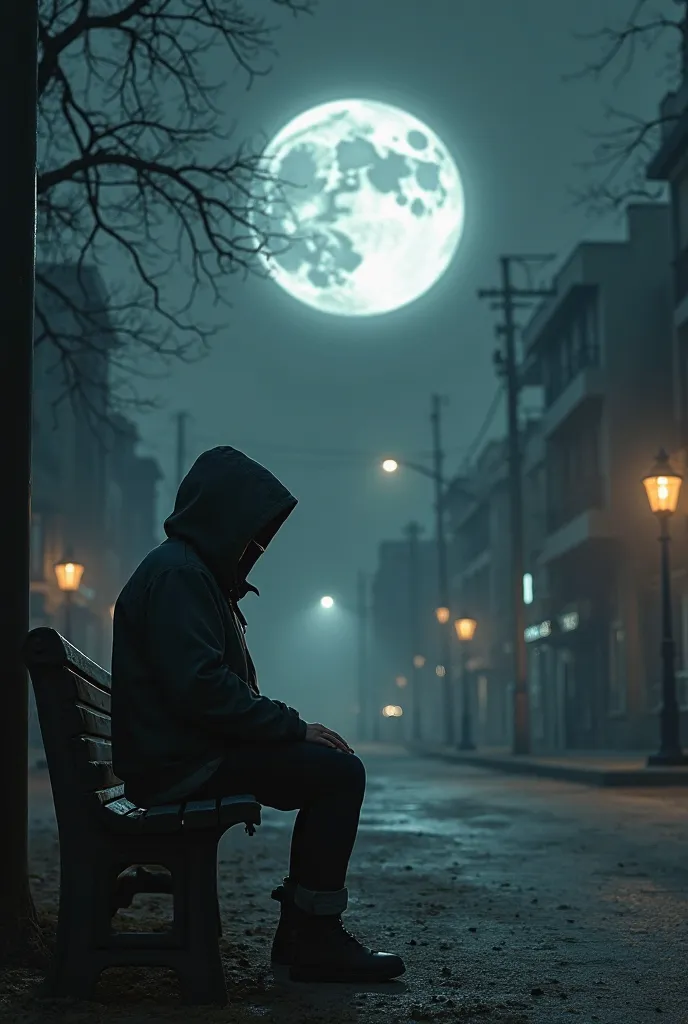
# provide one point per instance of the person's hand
(317, 733)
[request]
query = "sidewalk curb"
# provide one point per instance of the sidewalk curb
(587, 775)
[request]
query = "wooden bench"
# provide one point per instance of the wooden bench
(105, 841)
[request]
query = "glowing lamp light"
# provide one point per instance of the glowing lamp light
(392, 711)
(440, 671)
(390, 465)
(442, 615)
(69, 575)
(418, 661)
(465, 628)
(401, 682)
(663, 486)
(327, 602)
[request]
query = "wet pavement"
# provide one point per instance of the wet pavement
(513, 900)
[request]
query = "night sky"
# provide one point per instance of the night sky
(318, 398)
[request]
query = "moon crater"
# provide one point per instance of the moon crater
(370, 205)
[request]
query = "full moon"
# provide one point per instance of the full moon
(367, 204)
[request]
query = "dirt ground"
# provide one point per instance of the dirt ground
(513, 901)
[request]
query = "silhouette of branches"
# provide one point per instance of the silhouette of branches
(621, 152)
(141, 179)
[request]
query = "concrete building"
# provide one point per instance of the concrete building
(600, 349)
(478, 518)
(93, 497)
(397, 592)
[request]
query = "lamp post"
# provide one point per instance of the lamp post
(465, 630)
(662, 486)
(68, 574)
(442, 613)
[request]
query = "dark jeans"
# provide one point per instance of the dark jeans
(327, 788)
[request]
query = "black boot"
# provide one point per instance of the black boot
(323, 950)
(282, 952)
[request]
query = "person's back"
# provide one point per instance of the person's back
(189, 721)
(176, 618)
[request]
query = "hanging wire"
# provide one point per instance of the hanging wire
(485, 426)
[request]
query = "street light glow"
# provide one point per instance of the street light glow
(392, 711)
(327, 602)
(69, 575)
(390, 465)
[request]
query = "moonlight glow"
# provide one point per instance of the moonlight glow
(372, 203)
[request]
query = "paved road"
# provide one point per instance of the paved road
(514, 901)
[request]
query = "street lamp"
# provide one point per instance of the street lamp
(662, 486)
(327, 603)
(68, 574)
(436, 474)
(465, 631)
(418, 661)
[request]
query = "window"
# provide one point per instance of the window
(616, 697)
(37, 549)
(573, 350)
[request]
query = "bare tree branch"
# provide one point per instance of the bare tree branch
(616, 172)
(140, 179)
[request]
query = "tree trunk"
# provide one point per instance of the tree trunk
(20, 936)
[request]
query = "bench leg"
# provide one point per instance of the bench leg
(202, 978)
(83, 912)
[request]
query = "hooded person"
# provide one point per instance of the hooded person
(189, 720)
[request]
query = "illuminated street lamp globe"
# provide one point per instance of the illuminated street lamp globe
(68, 574)
(390, 465)
(327, 602)
(465, 628)
(663, 486)
(442, 615)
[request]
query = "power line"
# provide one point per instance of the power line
(485, 426)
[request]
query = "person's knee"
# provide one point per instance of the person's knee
(354, 774)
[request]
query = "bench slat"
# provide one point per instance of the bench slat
(88, 721)
(98, 775)
(233, 809)
(200, 814)
(106, 796)
(91, 695)
(90, 748)
(165, 818)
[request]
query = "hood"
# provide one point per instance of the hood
(228, 509)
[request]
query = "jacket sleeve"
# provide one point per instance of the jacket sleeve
(185, 642)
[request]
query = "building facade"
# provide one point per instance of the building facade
(600, 349)
(93, 497)
(404, 634)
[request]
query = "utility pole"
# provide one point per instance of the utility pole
(413, 532)
(363, 701)
(19, 931)
(181, 420)
(442, 568)
(508, 299)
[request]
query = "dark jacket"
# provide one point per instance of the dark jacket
(183, 684)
